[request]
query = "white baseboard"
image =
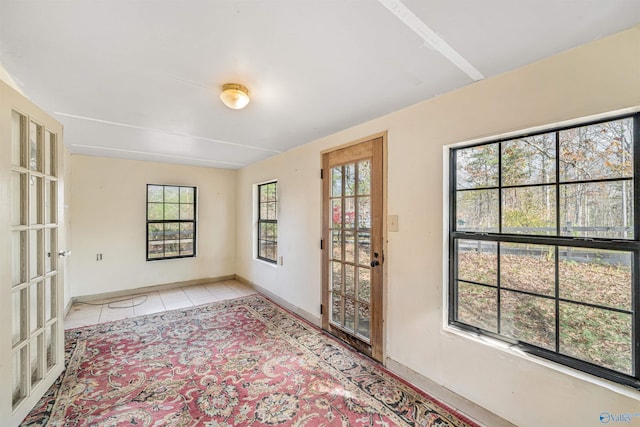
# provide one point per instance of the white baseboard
(278, 300)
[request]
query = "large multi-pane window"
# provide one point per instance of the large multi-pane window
(268, 221)
(544, 244)
(171, 222)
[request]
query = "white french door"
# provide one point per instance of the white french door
(31, 277)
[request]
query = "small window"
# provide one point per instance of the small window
(544, 245)
(171, 222)
(268, 222)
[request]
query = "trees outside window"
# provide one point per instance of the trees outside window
(544, 245)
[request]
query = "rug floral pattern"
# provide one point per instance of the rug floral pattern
(243, 362)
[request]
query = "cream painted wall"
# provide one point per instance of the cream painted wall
(596, 78)
(108, 214)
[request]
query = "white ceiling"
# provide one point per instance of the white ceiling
(141, 79)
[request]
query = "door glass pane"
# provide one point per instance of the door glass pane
(364, 284)
(35, 142)
(50, 250)
(35, 358)
(350, 179)
(349, 246)
(35, 197)
(19, 386)
(364, 177)
(18, 257)
(336, 244)
(35, 250)
(349, 313)
(50, 344)
(363, 320)
(364, 248)
(35, 297)
(336, 308)
(336, 181)
(18, 139)
(50, 206)
(336, 213)
(50, 298)
(349, 212)
(336, 276)
(18, 197)
(18, 324)
(364, 212)
(349, 280)
(50, 154)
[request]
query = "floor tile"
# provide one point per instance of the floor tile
(174, 299)
(153, 304)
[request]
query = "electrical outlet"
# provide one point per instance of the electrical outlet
(99, 257)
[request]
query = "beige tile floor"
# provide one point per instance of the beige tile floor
(110, 309)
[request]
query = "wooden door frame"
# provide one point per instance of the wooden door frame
(379, 350)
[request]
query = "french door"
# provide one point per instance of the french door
(31, 277)
(353, 242)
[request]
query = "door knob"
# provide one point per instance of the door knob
(375, 262)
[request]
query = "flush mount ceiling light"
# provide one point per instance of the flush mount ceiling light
(234, 96)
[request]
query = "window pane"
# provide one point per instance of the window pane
(171, 211)
(187, 212)
(155, 211)
(529, 210)
(478, 306)
(598, 336)
(597, 209)
(156, 231)
(596, 276)
(528, 267)
(477, 261)
(186, 194)
(156, 249)
(186, 230)
(528, 318)
(186, 247)
(171, 194)
(477, 167)
(530, 160)
(155, 193)
(599, 151)
(477, 210)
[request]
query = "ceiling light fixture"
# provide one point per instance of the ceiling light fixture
(234, 96)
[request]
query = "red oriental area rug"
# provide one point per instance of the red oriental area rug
(243, 362)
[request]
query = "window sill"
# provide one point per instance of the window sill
(265, 262)
(512, 350)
